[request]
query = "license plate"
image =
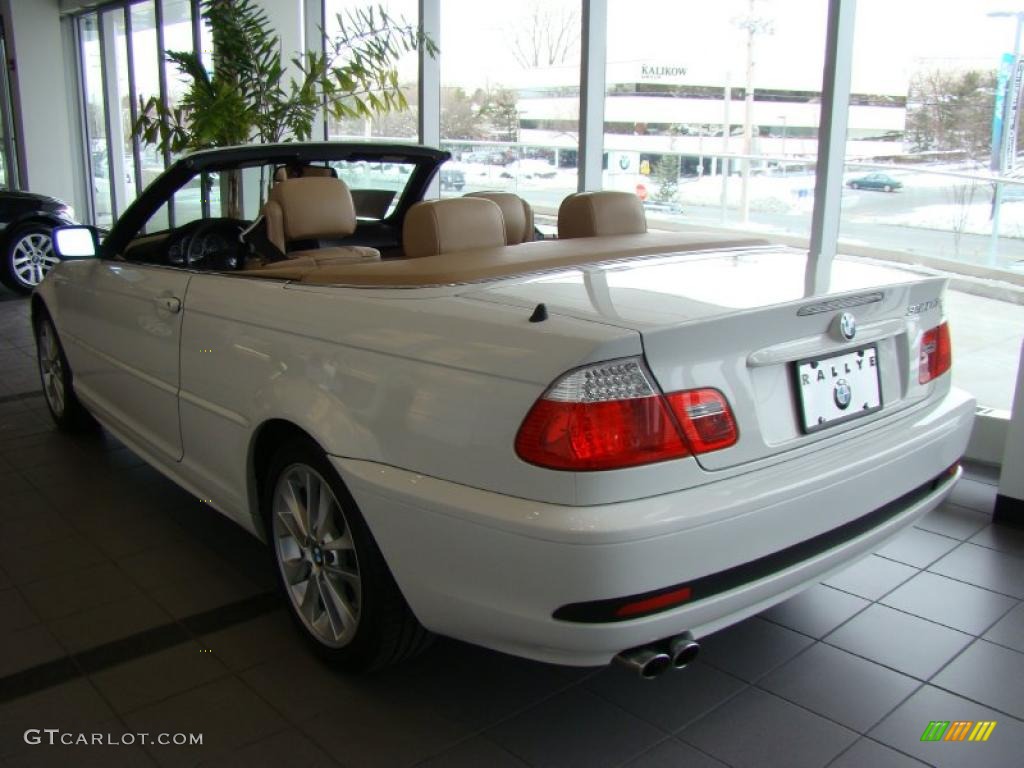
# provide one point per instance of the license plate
(839, 388)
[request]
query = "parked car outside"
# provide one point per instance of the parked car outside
(601, 447)
(880, 181)
(452, 178)
(26, 220)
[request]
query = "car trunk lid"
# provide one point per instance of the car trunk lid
(739, 321)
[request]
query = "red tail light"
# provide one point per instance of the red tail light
(706, 419)
(936, 354)
(609, 416)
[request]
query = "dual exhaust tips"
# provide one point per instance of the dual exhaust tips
(651, 661)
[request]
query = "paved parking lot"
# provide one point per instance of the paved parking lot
(127, 607)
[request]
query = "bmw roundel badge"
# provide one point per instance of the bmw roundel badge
(842, 394)
(845, 326)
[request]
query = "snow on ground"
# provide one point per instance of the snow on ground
(973, 218)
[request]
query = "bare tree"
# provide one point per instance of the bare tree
(962, 196)
(547, 35)
(951, 110)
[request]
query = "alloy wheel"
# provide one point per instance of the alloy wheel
(51, 368)
(316, 553)
(32, 257)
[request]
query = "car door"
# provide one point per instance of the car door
(125, 330)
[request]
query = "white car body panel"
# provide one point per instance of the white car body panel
(417, 394)
(125, 358)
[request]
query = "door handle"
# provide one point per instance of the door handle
(170, 303)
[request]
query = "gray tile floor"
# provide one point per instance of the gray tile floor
(95, 547)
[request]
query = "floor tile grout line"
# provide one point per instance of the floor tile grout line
(114, 653)
(822, 715)
(928, 681)
(972, 584)
(482, 731)
(957, 629)
(977, 638)
(455, 746)
(675, 738)
(19, 396)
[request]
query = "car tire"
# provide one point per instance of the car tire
(887, 188)
(28, 258)
(334, 580)
(854, 185)
(57, 380)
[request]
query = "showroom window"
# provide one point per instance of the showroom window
(96, 118)
(676, 104)
(510, 100)
(921, 191)
(121, 54)
(396, 126)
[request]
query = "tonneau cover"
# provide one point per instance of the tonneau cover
(491, 263)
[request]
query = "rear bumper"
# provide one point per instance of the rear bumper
(493, 569)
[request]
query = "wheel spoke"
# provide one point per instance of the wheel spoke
(308, 603)
(291, 524)
(315, 497)
(340, 544)
(297, 510)
(336, 606)
(296, 570)
(347, 575)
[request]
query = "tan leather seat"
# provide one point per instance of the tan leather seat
(600, 214)
(313, 208)
(517, 213)
(454, 224)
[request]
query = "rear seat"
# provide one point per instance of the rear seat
(434, 227)
(517, 213)
(601, 214)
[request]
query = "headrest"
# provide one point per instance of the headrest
(599, 214)
(517, 213)
(283, 172)
(314, 207)
(453, 224)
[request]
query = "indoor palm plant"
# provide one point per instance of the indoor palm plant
(244, 92)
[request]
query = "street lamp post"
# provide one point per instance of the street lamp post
(784, 127)
(1008, 113)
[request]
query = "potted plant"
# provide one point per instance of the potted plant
(246, 95)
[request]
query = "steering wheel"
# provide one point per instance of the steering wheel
(212, 244)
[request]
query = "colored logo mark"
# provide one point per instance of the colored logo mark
(958, 730)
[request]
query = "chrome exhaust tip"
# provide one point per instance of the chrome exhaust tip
(647, 662)
(682, 650)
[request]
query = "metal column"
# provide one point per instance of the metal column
(1010, 500)
(429, 97)
(314, 25)
(835, 105)
(594, 52)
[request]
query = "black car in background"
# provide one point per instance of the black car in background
(26, 220)
(452, 178)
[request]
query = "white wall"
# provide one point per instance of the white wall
(47, 126)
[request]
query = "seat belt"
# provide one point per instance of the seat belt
(256, 238)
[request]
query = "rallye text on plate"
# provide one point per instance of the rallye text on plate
(839, 388)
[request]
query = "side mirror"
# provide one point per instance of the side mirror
(76, 242)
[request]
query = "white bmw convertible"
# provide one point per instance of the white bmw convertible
(604, 445)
